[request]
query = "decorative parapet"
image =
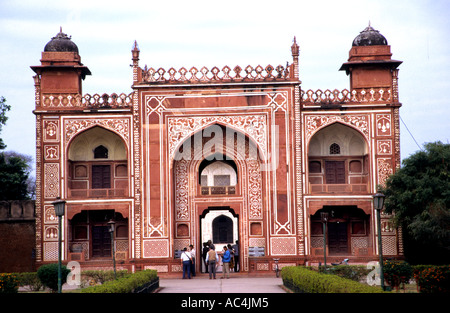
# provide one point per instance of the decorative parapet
(75, 101)
(226, 74)
(311, 97)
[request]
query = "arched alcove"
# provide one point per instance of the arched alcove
(218, 171)
(338, 161)
(97, 165)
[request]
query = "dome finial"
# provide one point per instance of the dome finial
(61, 43)
(369, 37)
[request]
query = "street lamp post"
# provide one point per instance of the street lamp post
(60, 206)
(111, 230)
(324, 218)
(378, 202)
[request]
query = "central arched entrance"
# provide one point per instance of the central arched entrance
(218, 177)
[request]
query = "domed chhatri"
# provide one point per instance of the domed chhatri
(61, 43)
(370, 37)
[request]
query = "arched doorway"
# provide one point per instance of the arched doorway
(220, 226)
(347, 231)
(89, 233)
(222, 229)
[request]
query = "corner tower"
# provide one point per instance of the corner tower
(61, 70)
(370, 65)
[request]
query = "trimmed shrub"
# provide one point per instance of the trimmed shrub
(100, 277)
(48, 275)
(30, 280)
(130, 283)
(397, 273)
(432, 279)
(302, 280)
(8, 283)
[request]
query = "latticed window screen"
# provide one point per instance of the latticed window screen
(221, 180)
(335, 149)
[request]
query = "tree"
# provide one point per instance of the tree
(3, 118)
(15, 183)
(418, 195)
(14, 176)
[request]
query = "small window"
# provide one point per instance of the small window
(355, 167)
(121, 170)
(122, 231)
(101, 152)
(358, 228)
(315, 167)
(80, 232)
(316, 228)
(335, 149)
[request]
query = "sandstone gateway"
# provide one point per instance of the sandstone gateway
(222, 154)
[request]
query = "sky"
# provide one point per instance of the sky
(246, 32)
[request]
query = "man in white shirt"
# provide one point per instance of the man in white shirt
(186, 259)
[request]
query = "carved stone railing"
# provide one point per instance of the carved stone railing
(77, 101)
(218, 190)
(338, 188)
(226, 74)
(311, 97)
(97, 193)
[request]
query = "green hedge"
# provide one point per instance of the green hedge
(100, 276)
(30, 280)
(303, 280)
(130, 283)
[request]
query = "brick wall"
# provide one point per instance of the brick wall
(17, 236)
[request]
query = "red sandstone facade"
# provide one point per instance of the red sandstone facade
(198, 154)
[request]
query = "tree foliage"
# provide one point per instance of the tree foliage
(15, 168)
(3, 118)
(419, 196)
(15, 182)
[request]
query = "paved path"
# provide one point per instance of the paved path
(235, 284)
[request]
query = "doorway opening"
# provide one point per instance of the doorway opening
(347, 230)
(90, 234)
(220, 226)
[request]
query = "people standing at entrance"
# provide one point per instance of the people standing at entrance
(211, 259)
(186, 259)
(236, 256)
(204, 254)
(231, 256)
(226, 262)
(192, 251)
